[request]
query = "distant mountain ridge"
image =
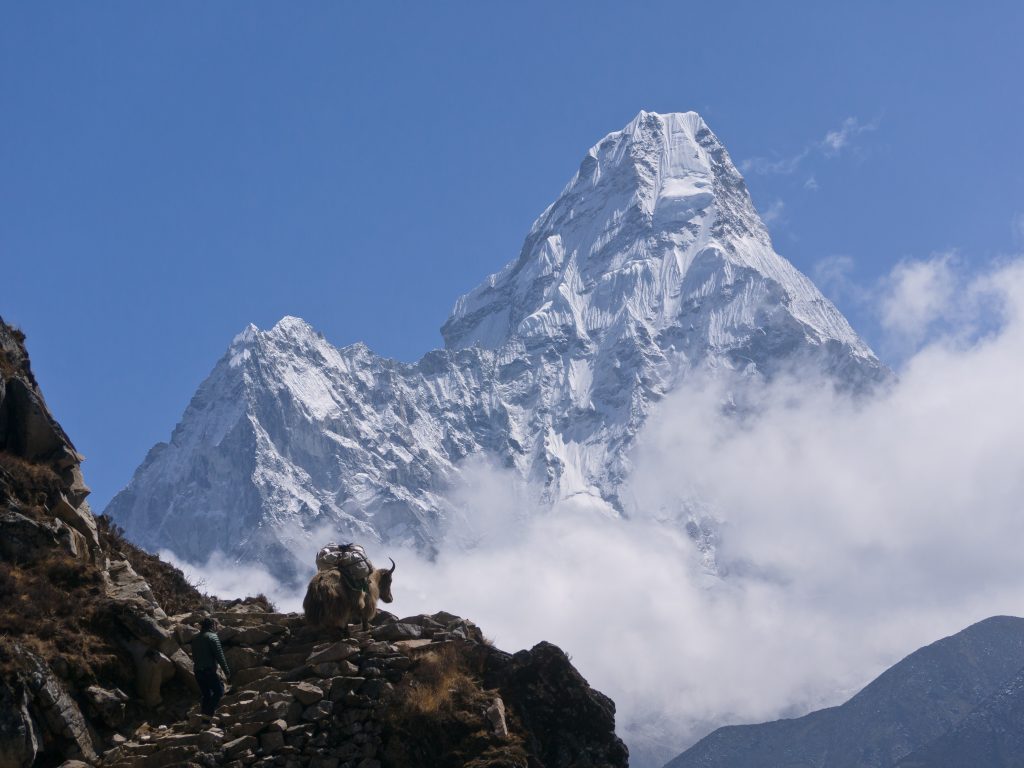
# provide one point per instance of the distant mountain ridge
(651, 266)
(940, 707)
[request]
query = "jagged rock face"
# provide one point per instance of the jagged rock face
(568, 722)
(651, 265)
(50, 552)
(930, 693)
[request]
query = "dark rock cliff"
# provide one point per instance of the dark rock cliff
(95, 666)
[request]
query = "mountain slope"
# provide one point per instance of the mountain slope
(906, 707)
(650, 266)
(991, 735)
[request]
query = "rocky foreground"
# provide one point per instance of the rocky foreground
(427, 690)
(95, 666)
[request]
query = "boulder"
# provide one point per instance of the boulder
(334, 652)
(496, 714)
(397, 631)
(81, 520)
(250, 675)
(184, 633)
(152, 670)
(107, 705)
(73, 542)
(184, 670)
(240, 657)
(257, 635)
(271, 742)
(123, 584)
(236, 747)
(307, 693)
(146, 628)
(60, 713)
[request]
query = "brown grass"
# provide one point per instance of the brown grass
(438, 717)
(56, 607)
(35, 486)
(440, 683)
(9, 367)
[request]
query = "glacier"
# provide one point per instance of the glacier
(650, 267)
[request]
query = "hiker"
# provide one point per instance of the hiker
(206, 655)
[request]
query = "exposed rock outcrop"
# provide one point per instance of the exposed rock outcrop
(72, 609)
(308, 697)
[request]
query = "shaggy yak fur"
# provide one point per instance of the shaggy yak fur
(330, 602)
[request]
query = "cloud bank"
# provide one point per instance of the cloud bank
(849, 532)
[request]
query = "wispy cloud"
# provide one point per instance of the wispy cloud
(774, 212)
(774, 165)
(833, 275)
(831, 145)
(835, 141)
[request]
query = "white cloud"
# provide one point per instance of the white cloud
(225, 578)
(852, 532)
(832, 275)
(774, 165)
(774, 212)
(833, 143)
(917, 295)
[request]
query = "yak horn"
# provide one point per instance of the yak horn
(392, 565)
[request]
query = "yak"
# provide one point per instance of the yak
(331, 600)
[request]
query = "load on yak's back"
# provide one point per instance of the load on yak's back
(346, 588)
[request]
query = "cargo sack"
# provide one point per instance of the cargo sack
(350, 559)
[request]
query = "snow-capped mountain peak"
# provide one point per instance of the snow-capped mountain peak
(651, 263)
(656, 219)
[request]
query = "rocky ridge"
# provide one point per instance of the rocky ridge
(301, 697)
(94, 671)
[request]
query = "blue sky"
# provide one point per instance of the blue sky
(171, 172)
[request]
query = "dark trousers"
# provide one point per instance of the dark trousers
(211, 689)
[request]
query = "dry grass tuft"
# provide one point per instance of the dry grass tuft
(56, 607)
(33, 485)
(440, 684)
(439, 719)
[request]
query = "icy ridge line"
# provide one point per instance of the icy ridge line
(651, 265)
